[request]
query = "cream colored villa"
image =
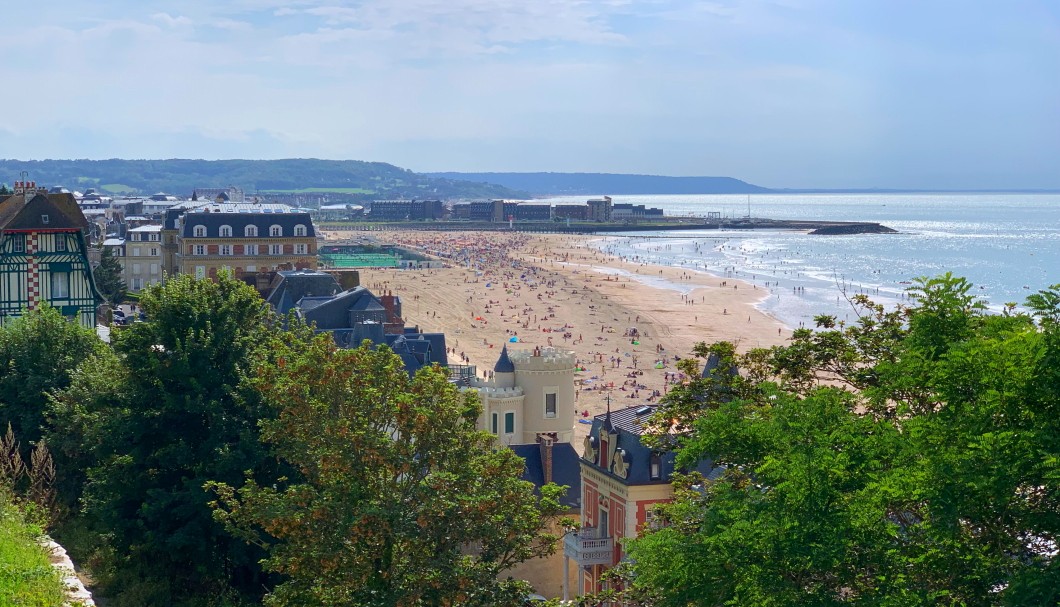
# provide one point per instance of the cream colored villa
(531, 393)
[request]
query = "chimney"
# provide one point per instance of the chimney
(544, 442)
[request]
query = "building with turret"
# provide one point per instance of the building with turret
(531, 394)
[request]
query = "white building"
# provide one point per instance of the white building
(531, 393)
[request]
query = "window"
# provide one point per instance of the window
(60, 285)
(299, 230)
(200, 271)
(656, 466)
(200, 231)
(275, 249)
(45, 219)
(60, 242)
(252, 268)
(154, 252)
(18, 243)
(495, 420)
(153, 237)
(550, 405)
(200, 249)
(136, 252)
(603, 451)
(251, 249)
(154, 268)
(301, 249)
(226, 249)
(136, 268)
(225, 232)
(509, 422)
(275, 231)
(250, 231)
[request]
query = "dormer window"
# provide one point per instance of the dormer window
(225, 232)
(299, 230)
(45, 219)
(250, 231)
(603, 452)
(200, 231)
(275, 231)
(655, 467)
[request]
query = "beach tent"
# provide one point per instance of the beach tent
(513, 340)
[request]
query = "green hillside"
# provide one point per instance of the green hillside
(180, 176)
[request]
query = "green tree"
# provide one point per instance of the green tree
(4, 190)
(180, 413)
(108, 275)
(38, 352)
(910, 458)
(403, 501)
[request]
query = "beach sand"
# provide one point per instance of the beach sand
(559, 290)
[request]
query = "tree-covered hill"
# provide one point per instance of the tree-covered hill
(584, 184)
(181, 176)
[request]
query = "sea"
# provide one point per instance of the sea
(1007, 245)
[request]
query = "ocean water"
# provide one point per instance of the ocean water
(1007, 245)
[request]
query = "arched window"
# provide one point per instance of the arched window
(275, 231)
(299, 230)
(250, 231)
(225, 232)
(200, 231)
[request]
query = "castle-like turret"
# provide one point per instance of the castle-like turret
(504, 371)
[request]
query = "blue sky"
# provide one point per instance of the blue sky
(782, 93)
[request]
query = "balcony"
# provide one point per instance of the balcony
(589, 546)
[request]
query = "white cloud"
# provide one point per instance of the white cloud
(171, 21)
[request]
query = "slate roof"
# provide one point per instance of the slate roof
(504, 363)
(16, 213)
(566, 469)
(712, 364)
(263, 218)
(334, 312)
(290, 287)
(627, 424)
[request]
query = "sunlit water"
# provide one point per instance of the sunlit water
(1008, 245)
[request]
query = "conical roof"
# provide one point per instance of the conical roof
(504, 364)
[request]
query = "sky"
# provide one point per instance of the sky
(781, 93)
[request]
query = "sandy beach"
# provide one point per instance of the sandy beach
(627, 322)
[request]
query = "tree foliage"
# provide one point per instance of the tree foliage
(401, 500)
(910, 458)
(38, 352)
(173, 411)
(108, 277)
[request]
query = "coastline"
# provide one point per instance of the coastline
(551, 289)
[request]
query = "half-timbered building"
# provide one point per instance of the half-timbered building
(44, 256)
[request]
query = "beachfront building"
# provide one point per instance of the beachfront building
(531, 394)
(406, 210)
(44, 255)
(599, 209)
(241, 238)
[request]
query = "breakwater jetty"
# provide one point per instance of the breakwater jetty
(824, 228)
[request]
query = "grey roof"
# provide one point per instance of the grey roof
(113, 242)
(566, 469)
(504, 363)
(334, 313)
(627, 425)
(292, 286)
(263, 218)
(712, 364)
